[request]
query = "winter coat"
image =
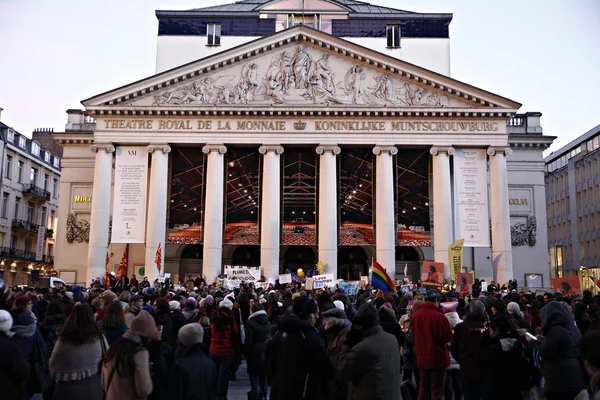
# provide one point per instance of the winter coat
(75, 369)
(501, 359)
(371, 367)
(24, 329)
(113, 334)
(466, 348)
(50, 327)
(562, 369)
(178, 321)
(168, 334)
(389, 325)
(136, 384)
(257, 331)
(14, 370)
(224, 342)
(336, 336)
(193, 377)
(432, 333)
(298, 365)
(161, 359)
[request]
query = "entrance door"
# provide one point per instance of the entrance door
(247, 256)
(352, 263)
(299, 257)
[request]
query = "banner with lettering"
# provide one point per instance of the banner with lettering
(242, 273)
(455, 258)
(129, 202)
(471, 197)
(350, 288)
(320, 281)
(39, 247)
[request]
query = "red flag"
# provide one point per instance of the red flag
(158, 258)
(122, 270)
(107, 272)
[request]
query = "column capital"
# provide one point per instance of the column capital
(166, 149)
(505, 151)
(435, 150)
(108, 147)
(377, 150)
(265, 148)
(327, 148)
(214, 147)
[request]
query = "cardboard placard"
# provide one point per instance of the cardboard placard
(464, 283)
(350, 288)
(308, 284)
(432, 272)
(285, 278)
(320, 281)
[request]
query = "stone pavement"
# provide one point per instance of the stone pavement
(238, 389)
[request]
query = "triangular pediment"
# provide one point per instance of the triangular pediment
(299, 67)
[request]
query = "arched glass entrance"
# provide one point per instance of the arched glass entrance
(352, 263)
(247, 256)
(191, 261)
(299, 257)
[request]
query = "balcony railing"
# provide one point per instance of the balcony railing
(24, 255)
(29, 188)
(26, 226)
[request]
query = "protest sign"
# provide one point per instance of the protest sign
(308, 284)
(464, 282)
(320, 281)
(350, 288)
(246, 274)
(432, 272)
(285, 278)
(567, 285)
(231, 284)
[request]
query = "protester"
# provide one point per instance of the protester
(453, 384)
(194, 375)
(558, 347)
(106, 298)
(52, 323)
(76, 356)
(590, 353)
(176, 317)
(297, 361)
(257, 329)
(126, 366)
(14, 368)
(223, 345)
(369, 356)
(113, 324)
(189, 311)
(432, 333)
(133, 308)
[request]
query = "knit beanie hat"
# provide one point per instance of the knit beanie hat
(190, 303)
(226, 303)
(6, 322)
(143, 325)
(190, 334)
(513, 308)
(108, 295)
(210, 300)
(379, 294)
(22, 301)
(303, 306)
(339, 304)
(174, 305)
(366, 316)
(449, 306)
(76, 289)
(69, 295)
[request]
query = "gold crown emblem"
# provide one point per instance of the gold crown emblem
(299, 126)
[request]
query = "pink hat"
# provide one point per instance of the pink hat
(449, 306)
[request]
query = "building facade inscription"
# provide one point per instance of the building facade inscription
(326, 124)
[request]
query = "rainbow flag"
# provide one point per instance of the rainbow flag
(381, 280)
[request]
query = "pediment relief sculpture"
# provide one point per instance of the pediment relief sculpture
(301, 76)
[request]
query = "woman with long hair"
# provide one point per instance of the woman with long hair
(76, 356)
(113, 324)
(126, 366)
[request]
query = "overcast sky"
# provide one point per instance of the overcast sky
(544, 54)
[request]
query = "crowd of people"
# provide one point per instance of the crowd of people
(135, 341)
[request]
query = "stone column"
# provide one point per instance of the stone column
(385, 222)
(501, 243)
(100, 215)
(328, 208)
(213, 212)
(270, 216)
(442, 205)
(156, 219)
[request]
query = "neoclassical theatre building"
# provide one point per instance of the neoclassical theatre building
(278, 138)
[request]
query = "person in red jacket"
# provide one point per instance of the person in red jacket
(432, 333)
(224, 344)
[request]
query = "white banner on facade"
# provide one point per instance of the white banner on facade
(471, 197)
(129, 205)
(245, 274)
(39, 247)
